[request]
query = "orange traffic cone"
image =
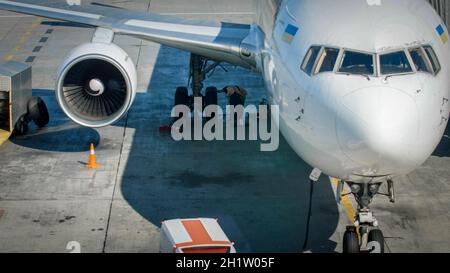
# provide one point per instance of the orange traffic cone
(92, 164)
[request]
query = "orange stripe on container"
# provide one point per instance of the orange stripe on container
(197, 231)
(199, 235)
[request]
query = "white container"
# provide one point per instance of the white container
(201, 235)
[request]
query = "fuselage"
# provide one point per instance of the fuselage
(373, 102)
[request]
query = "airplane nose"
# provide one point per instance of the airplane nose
(377, 128)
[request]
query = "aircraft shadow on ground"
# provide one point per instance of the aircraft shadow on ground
(260, 199)
(443, 149)
(60, 128)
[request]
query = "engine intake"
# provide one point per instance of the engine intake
(96, 84)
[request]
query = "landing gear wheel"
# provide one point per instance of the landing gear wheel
(181, 96)
(21, 126)
(211, 98)
(376, 236)
(351, 242)
(38, 111)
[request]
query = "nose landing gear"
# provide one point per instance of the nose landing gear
(365, 236)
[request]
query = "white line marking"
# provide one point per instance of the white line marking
(191, 29)
(207, 13)
(15, 16)
(48, 9)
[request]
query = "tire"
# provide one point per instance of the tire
(181, 96)
(377, 236)
(21, 127)
(236, 99)
(211, 96)
(38, 111)
(351, 242)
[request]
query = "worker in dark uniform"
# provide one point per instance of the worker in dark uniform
(236, 94)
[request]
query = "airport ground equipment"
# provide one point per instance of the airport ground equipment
(201, 235)
(17, 105)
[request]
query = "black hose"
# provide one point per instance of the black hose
(308, 220)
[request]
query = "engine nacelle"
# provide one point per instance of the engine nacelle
(96, 84)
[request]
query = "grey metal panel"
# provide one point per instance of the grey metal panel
(25, 81)
(443, 9)
(15, 77)
(17, 107)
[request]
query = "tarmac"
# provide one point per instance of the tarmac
(48, 198)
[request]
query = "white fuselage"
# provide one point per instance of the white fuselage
(355, 127)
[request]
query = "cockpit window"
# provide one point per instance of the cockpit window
(433, 59)
(394, 63)
(327, 60)
(310, 59)
(420, 60)
(320, 59)
(357, 63)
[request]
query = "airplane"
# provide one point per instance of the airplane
(362, 85)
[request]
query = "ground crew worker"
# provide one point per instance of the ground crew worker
(236, 94)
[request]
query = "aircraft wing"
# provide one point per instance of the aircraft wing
(217, 41)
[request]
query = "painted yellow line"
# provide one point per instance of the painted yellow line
(22, 40)
(4, 136)
(349, 209)
(8, 57)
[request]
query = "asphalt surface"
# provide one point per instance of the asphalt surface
(48, 198)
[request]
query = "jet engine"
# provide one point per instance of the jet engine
(96, 84)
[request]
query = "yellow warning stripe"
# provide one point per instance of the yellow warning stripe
(349, 209)
(4, 136)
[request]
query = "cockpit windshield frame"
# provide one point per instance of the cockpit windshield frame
(342, 58)
(408, 57)
(432, 58)
(321, 60)
(429, 56)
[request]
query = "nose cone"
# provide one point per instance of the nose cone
(377, 128)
